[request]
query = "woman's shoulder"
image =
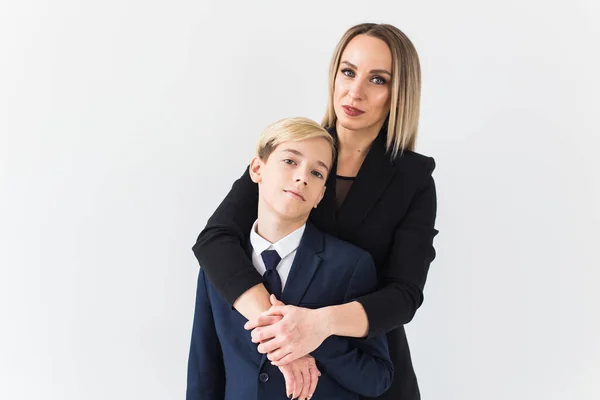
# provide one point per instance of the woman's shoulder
(414, 164)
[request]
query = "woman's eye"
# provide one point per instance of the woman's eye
(348, 72)
(318, 174)
(378, 80)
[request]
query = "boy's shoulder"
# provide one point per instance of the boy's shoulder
(339, 244)
(336, 249)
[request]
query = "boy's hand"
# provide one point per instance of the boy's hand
(301, 377)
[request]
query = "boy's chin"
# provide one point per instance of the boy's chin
(293, 215)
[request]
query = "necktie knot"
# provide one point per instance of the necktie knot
(271, 259)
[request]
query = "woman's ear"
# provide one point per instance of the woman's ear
(255, 169)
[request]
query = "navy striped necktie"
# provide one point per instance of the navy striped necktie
(271, 277)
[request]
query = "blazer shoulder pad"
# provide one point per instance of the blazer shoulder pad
(342, 247)
(418, 165)
(415, 160)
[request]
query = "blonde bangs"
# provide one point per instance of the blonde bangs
(291, 130)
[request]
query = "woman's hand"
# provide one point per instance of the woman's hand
(301, 378)
(299, 332)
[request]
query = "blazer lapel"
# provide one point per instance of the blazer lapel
(373, 178)
(305, 265)
(324, 216)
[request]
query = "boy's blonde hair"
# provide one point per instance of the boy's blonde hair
(291, 130)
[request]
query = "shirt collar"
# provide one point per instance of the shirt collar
(284, 246)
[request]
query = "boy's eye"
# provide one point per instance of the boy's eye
(288, 161)
(318, 174)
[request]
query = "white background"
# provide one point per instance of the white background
(124, 123)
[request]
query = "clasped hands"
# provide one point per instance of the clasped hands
(287, 334)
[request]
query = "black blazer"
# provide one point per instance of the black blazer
(389, 211)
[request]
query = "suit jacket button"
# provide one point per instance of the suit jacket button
(263, 377)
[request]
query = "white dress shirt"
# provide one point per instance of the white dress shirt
(286, 248)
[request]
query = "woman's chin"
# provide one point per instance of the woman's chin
(351, 124)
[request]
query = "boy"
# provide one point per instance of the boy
(301, 266)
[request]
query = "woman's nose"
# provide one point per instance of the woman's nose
(355, 92)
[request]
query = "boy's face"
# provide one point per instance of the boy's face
(292, 180)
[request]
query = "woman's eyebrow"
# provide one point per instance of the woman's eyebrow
(381, 71)
(373, 71)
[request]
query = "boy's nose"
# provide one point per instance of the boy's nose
(302, 175)
(301, 180)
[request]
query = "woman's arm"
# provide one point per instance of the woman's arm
(221, 250)
(394, 304)
(403, 278)
(348, 319)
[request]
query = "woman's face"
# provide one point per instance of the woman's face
(362, 89)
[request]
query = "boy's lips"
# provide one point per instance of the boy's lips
(296, 193)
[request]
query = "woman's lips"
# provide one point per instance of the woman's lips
(352, 112)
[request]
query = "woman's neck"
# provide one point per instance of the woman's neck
(355, 142)
(353, 147)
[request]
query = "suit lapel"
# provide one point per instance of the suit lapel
(305, 265)
(324, 216)
(373, 178)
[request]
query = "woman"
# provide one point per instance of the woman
(381, 197)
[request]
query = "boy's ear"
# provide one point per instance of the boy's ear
(255, 169)
(320, 197)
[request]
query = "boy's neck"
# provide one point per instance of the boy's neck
(273, 228)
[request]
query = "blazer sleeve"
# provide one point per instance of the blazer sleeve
(220, 248)
(402, 280)
(206, 369)
(362, 366)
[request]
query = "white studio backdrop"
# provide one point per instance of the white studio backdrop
(124, 123)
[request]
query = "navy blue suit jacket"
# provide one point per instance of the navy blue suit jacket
(225, 364)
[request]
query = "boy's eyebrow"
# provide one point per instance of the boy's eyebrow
(296, 152)
(373, 71)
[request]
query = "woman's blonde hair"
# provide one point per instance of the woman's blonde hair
(403, 119)
(294, 130)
